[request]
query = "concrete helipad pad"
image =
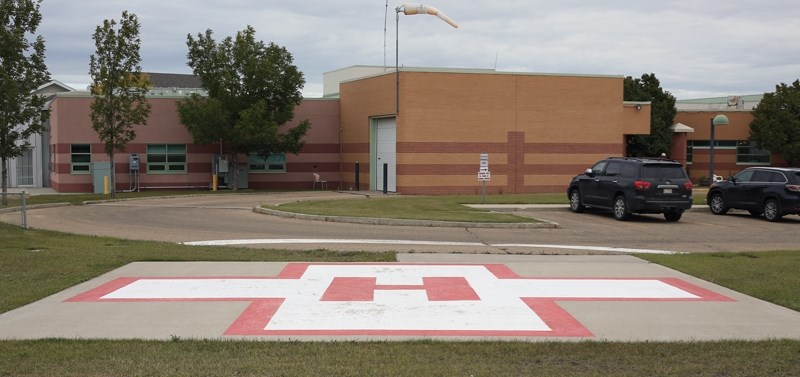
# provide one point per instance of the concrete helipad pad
(441, 296)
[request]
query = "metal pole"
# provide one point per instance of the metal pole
(358, 176)
(711, 154)
(397, 62)
(385, 178)
(24, 214)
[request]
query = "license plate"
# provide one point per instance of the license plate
(668, 191)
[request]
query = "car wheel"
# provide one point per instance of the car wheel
(717, 204)
(673, 216)
(620, 208)
(575, 203)
(771, 210)
(754, 212)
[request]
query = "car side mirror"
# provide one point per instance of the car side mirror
(733, 180)
(589, 172)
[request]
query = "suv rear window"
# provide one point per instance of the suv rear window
(663, 171)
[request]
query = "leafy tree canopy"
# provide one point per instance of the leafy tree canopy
(22, 71)
(118, 85)
(662, 115)
(253, 89)
(776, 122)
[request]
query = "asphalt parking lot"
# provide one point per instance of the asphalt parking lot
(230, 217)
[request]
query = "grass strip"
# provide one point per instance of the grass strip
(773, 276)
(412, 358)
(434, 208)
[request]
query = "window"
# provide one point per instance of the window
(25, 168)
(748, 152)
(761, 176)
(744, 176)
(166, 158)
(628, 171)
(598, 167)
(663, 171)
(613, 168)
(80, 158)
(275, 163)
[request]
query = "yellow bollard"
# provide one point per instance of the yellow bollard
(214, 182)
(105, 185)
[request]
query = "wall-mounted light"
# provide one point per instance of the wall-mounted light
(638, 106)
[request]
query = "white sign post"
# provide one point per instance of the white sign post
(484, 175)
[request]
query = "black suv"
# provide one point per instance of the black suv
(628, 185)
(773, 192)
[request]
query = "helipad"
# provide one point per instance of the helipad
(422, 296)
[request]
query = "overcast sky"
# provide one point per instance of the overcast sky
(696, 48)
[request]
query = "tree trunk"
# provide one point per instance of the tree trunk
(234, 170)
(111, 177)
(3, 164)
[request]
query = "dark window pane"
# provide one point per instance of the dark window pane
(81, 148)
(156, 158)
(78, 158)
(663, 171)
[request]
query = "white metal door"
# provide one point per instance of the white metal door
(386, 153)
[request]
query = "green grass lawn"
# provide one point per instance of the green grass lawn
(436, 208)
(36, 263)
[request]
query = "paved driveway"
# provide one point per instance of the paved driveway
(230, 217)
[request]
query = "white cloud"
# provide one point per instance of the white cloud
(696, 48)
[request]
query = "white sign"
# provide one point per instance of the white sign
(483, 172)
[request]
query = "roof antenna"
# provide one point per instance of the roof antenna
(385, 16)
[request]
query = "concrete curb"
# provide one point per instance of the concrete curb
(522, 207)
(401, 222)
(35, 206)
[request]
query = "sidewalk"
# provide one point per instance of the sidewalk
(33, 190)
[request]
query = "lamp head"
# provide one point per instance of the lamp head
(720, 120)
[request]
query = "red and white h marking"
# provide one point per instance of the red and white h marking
(398, 299)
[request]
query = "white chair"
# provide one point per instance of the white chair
(323, 184)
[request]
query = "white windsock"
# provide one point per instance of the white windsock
(410, 9)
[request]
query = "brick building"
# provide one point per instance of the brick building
(428, 127)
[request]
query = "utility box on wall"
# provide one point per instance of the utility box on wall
(133, 162)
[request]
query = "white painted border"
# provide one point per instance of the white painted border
(270, 241)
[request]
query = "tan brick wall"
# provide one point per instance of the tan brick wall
(539, 130)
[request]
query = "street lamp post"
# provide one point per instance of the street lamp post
(719, 120)
(409, 9)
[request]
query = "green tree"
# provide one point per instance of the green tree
(662, 115)
(252, 88)
(118, 86)
(22, 71)
(776, 122)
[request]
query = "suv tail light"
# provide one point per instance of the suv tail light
(641, 185)
(795, 188)
(688, 185)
